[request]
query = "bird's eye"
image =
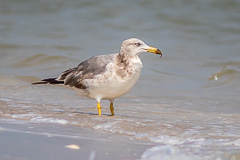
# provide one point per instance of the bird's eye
(137, 44)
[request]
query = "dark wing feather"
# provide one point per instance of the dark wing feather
(49, 81)
(85, 70)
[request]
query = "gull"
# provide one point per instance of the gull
(106, 76)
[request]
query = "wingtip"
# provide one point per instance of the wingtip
(49, 81)
(41, 82)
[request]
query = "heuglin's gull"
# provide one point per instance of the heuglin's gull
(106, 76)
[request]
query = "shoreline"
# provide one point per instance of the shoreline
(24, 140)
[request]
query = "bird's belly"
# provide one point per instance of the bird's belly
(114, 87)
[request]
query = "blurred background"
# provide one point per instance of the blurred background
(200, 41)
(187, 101)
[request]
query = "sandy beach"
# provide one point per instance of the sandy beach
(185, 106)
(21, 140)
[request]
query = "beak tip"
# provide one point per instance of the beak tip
(159, 52)
(154, 50)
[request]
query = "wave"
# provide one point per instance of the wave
(39, 59)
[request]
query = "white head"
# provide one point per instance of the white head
(134, 47)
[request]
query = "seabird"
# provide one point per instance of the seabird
(106, 76)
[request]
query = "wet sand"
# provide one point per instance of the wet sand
(186, 104)
(41, 131)
(22, 140)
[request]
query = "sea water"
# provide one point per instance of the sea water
(187, 102)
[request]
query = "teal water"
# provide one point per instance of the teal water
(187, 101)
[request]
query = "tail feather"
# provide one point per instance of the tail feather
(49, 81)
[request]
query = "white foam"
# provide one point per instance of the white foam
(230, 143)
(142, 135)
(164, 139)
(49, 120)
(167, 152)
(106, 126)
(237, 142)
(23, 116)
(6, 99)
(15, 101)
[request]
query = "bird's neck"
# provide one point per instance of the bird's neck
(126, 60)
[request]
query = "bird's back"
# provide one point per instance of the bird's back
(88, 69)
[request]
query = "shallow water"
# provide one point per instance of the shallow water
(187, 101)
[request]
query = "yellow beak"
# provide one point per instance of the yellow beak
(154, 50)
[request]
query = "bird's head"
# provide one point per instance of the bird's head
(134, 47)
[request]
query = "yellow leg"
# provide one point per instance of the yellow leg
(112, 109)
(99, 109)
